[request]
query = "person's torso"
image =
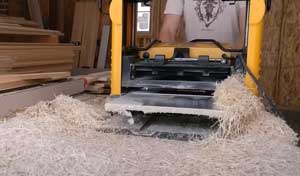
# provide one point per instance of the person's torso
(211, 19)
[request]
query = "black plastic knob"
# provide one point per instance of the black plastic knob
(146, 55)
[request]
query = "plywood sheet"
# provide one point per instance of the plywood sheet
(270, 48)
(288, 80)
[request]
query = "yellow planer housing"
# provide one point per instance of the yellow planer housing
(180, 75)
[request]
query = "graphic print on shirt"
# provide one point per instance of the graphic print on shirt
(209, 10)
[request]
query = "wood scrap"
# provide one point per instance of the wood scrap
(91, 78)
(97, 82)
(99, 88)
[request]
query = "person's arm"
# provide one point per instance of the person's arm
(173, 13)
(169, 28)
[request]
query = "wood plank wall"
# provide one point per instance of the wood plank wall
(280, 72)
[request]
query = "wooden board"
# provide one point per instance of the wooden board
(31, 63)
(78, 21)
(27, 30)
(20, 83)
(13, 101)
(43, 68)
(90, 33)
(85, 30)
(14, 32)
(12, 81)
(18, 20)
(35, 12)
(49, 75)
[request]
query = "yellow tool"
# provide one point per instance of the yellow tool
(176, 78)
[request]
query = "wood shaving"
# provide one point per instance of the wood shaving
(245, 114)
(64, 114)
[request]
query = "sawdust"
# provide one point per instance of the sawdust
(59, 138)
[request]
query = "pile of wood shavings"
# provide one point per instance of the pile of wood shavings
(59, 138)
(64, 113)
(244, 114)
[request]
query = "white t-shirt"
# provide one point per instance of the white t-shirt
(208, 19)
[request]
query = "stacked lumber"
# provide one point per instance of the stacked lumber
(97, 83)
(16, 29)
(30, 55)
(36, 58)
